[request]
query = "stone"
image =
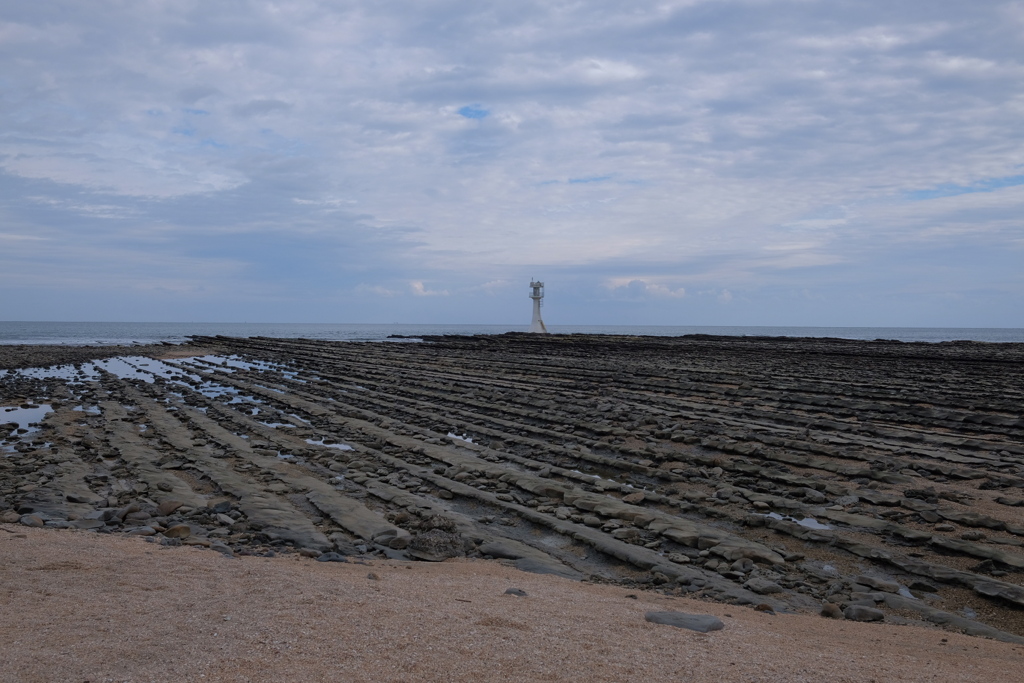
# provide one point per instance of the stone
(436, 545)
(167, 507)
(331, 557)
(591, 521)
(863, 613)
(88, 523)
(633, 498)
(32, 520)
(372, 577)
(518, 592)
(762, 586)
(178, 531)
(831, 611)
(703, 623)
(399, 542)
(222, 549)
(309, 552)
(141, 531)
(878, 584)
(9, 517)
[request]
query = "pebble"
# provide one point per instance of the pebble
(515, 591)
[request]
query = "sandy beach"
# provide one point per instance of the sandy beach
(83, 607)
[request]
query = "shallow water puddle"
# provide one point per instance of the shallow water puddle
(339, 446)
(808, 522)
(25, 416)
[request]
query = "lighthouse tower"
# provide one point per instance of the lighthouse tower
(537, 293)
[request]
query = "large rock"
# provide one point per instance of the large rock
(694, 622)
(762, 586)
(436, 545)
(863, 613)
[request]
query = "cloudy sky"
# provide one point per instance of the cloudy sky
(683, 162)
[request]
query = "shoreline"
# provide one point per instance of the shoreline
(881, 478)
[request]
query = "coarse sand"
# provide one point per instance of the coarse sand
(78, 606)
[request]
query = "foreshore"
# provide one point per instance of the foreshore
(773, 478)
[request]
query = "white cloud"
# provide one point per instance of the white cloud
(419, 289)
(748, 141)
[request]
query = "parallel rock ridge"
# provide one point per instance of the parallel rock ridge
(879, 477)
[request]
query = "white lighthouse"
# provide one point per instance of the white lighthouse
(537, 293)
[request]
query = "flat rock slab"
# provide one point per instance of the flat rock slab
(694, 622)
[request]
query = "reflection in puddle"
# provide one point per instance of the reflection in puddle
(25, 416)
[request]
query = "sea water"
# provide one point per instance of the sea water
(109, 333)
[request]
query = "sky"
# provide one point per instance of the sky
(685, 162)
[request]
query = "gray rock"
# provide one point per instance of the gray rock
(141, 531)
(694, 622)
(863, 613)
(762, 586)
(515, 591)
(88, 523)
(878, 584)
(436, 545)
(32, 520)
(332, 557)
(222, 549)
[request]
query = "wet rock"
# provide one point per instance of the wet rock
(702, 623)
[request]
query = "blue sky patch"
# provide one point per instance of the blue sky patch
(473, 111)
(590, 179)
(953, 190)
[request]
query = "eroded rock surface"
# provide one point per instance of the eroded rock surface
(875, 478)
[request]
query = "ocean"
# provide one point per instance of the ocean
(108, 333)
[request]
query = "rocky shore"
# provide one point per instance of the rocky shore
(868, 481)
